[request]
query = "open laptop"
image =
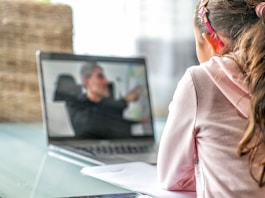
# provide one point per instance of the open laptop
(112, 138)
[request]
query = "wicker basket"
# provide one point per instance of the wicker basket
(27, 26)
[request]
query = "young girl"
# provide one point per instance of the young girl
(214, 138)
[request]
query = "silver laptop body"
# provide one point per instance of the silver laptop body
(105, 139)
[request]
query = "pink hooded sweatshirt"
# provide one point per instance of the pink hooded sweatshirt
(206, 120)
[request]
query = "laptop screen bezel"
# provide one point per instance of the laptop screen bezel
(44, 55)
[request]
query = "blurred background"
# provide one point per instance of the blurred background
(160, 30)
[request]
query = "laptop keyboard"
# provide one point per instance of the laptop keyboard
(116, 149)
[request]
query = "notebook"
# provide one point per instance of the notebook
(112, 129)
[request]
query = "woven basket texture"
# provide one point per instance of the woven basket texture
(27, 26)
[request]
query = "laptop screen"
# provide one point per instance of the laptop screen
(94, 96)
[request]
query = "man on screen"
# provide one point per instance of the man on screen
(95, 113)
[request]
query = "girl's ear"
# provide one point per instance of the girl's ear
(213, 44)
(85, 81)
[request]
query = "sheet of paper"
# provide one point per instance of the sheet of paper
(136, 176)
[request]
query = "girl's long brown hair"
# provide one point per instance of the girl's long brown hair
(238, 22)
